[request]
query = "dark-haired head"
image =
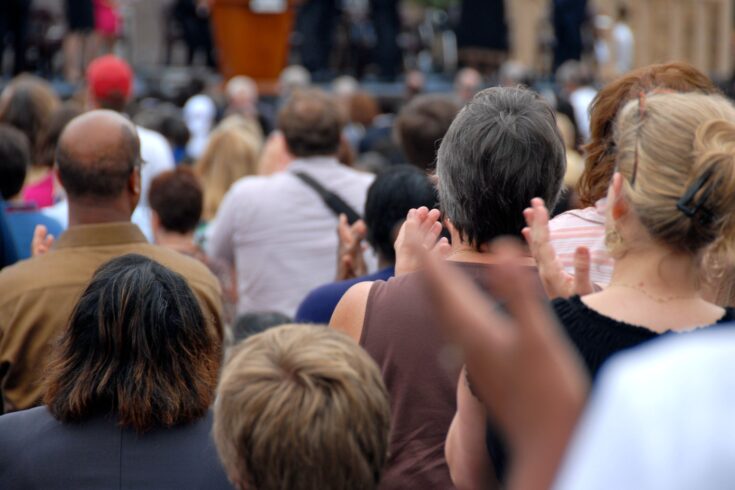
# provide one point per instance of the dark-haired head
(502, 150)
(27, 103)
(50, 138)
(177, 199)
(136, 347)
(311, 124)
(393, 193)
(15, 157)
(421, 125)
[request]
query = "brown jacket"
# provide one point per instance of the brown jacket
(37, 297)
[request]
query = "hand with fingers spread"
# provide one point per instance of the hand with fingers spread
(421, 229)
(557, 282)
(42, 241)
(350, 253)
(520, 364)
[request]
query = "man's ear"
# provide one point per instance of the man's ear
(134, 187)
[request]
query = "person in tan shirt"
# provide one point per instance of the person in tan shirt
(98, 159)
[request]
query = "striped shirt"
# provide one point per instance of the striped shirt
(583, 228)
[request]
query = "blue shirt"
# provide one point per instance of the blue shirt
(320, 303)
(8, 253)
(22, 221)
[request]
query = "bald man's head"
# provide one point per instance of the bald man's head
(96, 155)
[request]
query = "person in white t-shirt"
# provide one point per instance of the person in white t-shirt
(276, 230)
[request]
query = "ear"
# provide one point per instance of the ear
(134, 186)
(155, 222)
(616, 200)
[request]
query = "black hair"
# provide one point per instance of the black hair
(249, 324)
(392, 194)
(15, 157)
(136, 347)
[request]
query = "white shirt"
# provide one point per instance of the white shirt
(580, 100)
(280, 235)
(624, 48)
(157, 158)
(661, 417)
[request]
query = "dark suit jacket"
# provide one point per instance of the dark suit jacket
(39, 452)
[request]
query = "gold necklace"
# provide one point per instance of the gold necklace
(653, 297)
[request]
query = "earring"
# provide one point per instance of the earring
(613, 240)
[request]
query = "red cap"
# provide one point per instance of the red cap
(109, 76)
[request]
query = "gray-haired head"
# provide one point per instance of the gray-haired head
(502, 150)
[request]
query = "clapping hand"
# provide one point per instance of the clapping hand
(350, 253)
(557, 282)
(421, 229)
(42, 241)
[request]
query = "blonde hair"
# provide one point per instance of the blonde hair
(302, 407)
(680, 140)
(231, 153)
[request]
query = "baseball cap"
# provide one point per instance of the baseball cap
(109, 76)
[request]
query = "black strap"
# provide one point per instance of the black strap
(332, 200)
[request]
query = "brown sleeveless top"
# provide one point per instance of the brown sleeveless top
(401, 333)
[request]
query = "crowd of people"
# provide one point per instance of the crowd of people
(498, 287)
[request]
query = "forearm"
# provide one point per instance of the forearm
(466, 452)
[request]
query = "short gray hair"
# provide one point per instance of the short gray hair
(502, 150)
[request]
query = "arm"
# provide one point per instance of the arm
(349, 314)
(220, 242)
(465, 449)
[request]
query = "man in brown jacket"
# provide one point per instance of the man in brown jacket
(98, 159)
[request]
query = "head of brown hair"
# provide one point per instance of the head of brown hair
(363, 108)
(50, 137)
(311, 123)
(420, 126)
(302, 407)
(176, 198)
(28, 103)
(136, 347)
(600, 151)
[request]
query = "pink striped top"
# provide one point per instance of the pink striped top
(583, 227)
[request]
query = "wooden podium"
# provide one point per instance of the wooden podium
(250, 43)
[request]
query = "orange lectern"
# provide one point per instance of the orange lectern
(251, 43)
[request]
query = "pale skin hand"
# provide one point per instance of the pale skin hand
(350, 253)
(521, 366)
(556, 281)
(42, 241)
(422, 226)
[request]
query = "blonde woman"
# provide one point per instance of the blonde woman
(231, 153)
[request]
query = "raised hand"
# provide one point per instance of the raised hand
(520, 365)
(556, 281)
(41, 242)
(350, 253)
(421, 229)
